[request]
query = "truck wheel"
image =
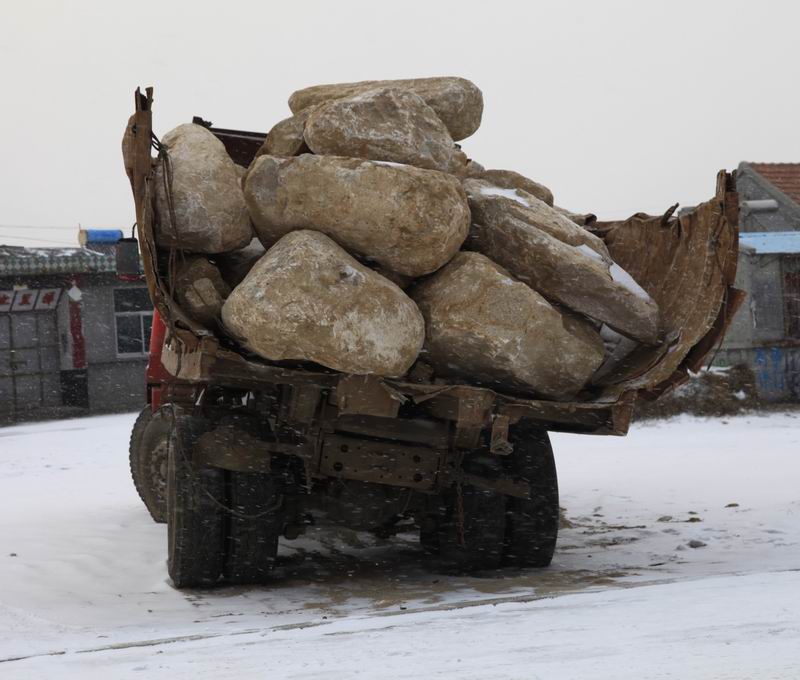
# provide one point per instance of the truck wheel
(532, 524)
(194, 513)
(254, 527)
(471, 538)
(148, 461)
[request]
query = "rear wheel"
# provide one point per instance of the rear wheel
(148, 449)
(466, 525)
(254, 526)
(472, 528)
(532, 523)
(195, 522)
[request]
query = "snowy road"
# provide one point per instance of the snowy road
(84, 591)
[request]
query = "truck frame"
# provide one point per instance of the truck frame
(254, 450)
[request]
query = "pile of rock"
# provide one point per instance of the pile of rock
(380, 246)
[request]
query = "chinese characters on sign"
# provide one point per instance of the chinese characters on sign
(26, 299)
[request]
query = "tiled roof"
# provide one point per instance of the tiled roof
(783, 176)
(16, 260)
(771, 242)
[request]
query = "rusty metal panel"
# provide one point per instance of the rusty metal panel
(303, 404)
(499, 444)
(431, 433)
(367, 395)
(379, 462)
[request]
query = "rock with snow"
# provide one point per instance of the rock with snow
(235, 265)
(308, 300)
(483, 326)
(576, 276)
(385, 124)
(406, 219)
(200, 290)
(508, 179)
(210, 215)
(491, 205)
(457, 102)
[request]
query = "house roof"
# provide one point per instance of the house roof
(771, 242)
(16, 260)
(783, 176)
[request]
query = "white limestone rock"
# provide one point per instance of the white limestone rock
(407, 219)
(384, 125)
(491, 205)
(577, 277)
(209, 209)
(483, 326)
(457, 101)
(308, 300)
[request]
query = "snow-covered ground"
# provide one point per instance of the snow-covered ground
(84, 590)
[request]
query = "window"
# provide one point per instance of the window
(133, 317)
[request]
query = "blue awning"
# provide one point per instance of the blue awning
(771, 242)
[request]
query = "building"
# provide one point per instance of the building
(73, 336)
(765, 333)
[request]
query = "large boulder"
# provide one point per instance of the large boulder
(458, 102)
(308, 300)
(483, 326)
(385, 124)
(575, 276)
(210, 215)
(508, 179)
(491, 205)
(407, 219)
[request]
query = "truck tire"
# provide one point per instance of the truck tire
(532, 524)
(195, 521)
(254, 527)
(148, 449)
(472, 539)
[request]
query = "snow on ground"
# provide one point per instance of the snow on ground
(84, 591)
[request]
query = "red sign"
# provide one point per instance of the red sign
(24, 300)
(48, 298)
(6, 298)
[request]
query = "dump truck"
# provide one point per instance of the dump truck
(235, 452)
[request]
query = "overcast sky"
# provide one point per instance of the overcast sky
(616, 106)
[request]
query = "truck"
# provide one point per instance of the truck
(235, 452)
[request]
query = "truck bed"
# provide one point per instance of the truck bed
(687, 264)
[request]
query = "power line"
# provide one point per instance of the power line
(40, 240)
(74, 227)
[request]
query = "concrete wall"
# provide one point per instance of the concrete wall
(757, 335)
(759, 320)
(116, 383)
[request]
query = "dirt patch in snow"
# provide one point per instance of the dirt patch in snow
(710, 393)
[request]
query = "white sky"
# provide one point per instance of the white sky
(618, 106)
